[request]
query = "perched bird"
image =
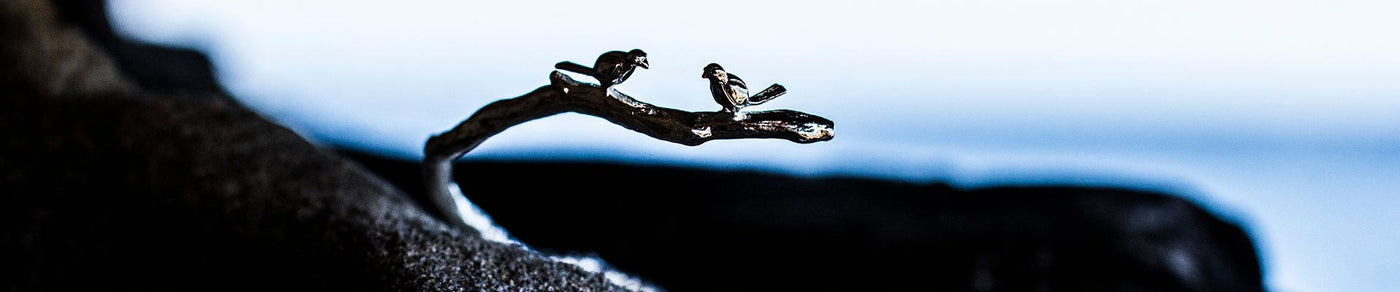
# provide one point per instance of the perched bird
(611, 68)
(732, 93)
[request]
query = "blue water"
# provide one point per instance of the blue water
(1281, 116)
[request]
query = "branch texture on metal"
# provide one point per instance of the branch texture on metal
(564, 94)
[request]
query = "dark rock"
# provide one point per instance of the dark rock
(104, 185)
(715, 230)
(155, 69)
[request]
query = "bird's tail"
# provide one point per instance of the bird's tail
(574, 67)
(770, 93)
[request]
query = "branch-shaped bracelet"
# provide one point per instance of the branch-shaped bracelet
(566, 95)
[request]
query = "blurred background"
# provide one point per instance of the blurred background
(1283, 116)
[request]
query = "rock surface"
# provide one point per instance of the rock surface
(734, 230)
(105, 185)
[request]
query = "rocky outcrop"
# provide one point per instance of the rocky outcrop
(736, 230)
(107, 185)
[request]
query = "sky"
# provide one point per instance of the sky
(1283, 116)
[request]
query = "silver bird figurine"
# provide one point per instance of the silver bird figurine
(732, 93)
(611, 68)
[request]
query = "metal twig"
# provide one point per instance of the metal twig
(566, 95)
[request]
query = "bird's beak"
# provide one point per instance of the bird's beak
(643, 63)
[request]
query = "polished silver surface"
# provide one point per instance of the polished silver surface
(732, 93)
(611, 68)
